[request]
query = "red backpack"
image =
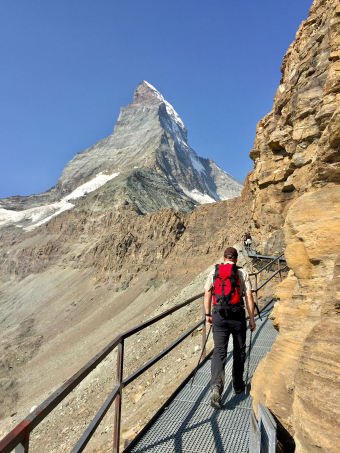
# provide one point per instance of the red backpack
(226, 289)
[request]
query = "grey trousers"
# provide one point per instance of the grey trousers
(225, 324)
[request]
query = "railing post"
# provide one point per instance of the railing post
(24, 445)
(279, 269)
(203, 333)
(256, 289)
(118, 402)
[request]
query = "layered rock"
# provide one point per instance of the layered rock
(296, 190)
(296, 143)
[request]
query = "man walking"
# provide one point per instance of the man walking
(227, 284)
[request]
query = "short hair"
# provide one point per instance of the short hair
(230, 253)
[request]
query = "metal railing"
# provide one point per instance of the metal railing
(267, 266)
(19, 437)
(264, 248)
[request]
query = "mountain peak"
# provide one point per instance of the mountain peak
(149, 134)
(145, 93)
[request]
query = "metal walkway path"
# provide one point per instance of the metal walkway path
(190, 424)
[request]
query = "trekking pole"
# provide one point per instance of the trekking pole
(193, 378)
(245, 388)
(258, 311)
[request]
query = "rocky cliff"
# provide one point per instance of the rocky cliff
(295, 184)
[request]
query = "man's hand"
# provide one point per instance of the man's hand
(209, 320)
(252, 325)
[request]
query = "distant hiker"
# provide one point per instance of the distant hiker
(248, 241)
(226, 285)
(245, 239)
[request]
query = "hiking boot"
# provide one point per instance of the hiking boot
(216, 398)
(240, 389)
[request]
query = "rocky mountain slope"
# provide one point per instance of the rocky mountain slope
(72, 284)
(148, 150)
(120, 234)
(295, 184)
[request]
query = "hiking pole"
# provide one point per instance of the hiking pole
(193, 378)
(245, 388)
(258, 311)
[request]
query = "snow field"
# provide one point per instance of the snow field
(201, 198)
(42, 214)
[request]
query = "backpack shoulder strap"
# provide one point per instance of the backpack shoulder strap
(234, 277)
(216, 275)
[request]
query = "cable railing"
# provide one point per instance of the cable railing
(19, 437)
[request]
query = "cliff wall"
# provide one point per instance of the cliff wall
(296, 191)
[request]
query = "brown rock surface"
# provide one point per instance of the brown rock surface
(296, 144)
(296, 191)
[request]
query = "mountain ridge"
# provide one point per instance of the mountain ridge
(148, 134)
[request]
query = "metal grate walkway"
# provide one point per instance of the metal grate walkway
(190, 424)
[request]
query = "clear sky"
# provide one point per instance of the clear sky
(67, 67)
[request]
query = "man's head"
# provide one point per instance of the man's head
(230, 254)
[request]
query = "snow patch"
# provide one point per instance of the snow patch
(90, 186)
(177, 129)
(64, 206)
(169, 108)
(201, 198)
(37, 216)
(195, 162)
(42, 214)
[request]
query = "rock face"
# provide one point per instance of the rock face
(296, 147)
(149, 135)
(296, 191)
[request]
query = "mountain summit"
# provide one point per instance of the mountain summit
(146, 161)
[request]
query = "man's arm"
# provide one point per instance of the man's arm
(207, 306)
(250, 307)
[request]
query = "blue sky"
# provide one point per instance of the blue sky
(67, 67)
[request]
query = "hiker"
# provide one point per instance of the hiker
(248, 241)
(227, 284)
(245, 239)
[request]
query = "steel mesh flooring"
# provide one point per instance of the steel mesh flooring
(190, 424)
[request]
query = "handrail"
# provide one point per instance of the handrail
(85, 438)
(255, 274)
(272, 276)
(267, 265)
(267, 246)
(262, 249)
(19, 436)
